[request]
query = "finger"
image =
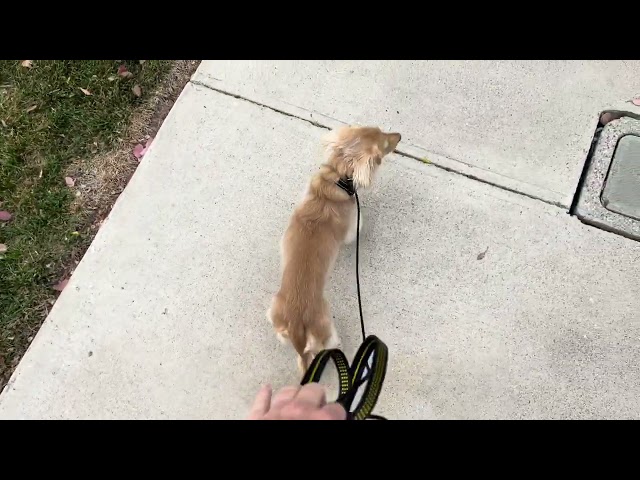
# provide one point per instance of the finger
(312, 394)
(283, 396)
(333, 411)
(261, 404)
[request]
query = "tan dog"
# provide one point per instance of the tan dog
(324, 220)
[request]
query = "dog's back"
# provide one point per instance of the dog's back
(299, 311)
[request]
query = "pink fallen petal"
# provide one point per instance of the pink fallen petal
(146, 147)
(123, 72)
(636, 101)
(5, 216)
(69, 181)
(61, 284)
(3, 248)
(138, 151)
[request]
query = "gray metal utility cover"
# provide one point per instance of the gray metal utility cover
(617, 209)
(621, 192)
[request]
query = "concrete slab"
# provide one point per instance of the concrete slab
(589, 207)
(621, 193)
(170, 298)
(525, 125)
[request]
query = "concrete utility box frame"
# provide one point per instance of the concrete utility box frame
(621, 192)
(610, 194)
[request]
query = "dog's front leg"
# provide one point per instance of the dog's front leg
(351, 233)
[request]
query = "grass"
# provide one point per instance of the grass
(48, 124)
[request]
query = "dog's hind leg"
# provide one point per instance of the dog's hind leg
(334, 340)
(274, 316)
(327, 332)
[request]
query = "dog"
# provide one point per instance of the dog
(325, 219)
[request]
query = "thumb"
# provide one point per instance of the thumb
(261, 404)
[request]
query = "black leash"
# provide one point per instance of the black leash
(364, 336)
(373, 350)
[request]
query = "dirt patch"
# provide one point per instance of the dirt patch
(100, 180)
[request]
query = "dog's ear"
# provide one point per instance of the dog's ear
(364, 165)
(391, 142)
(338, 141)
(344, 144)
(366, 162)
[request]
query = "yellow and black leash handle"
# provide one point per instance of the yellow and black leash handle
(370, 363)
(369, 367)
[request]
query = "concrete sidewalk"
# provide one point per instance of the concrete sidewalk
(164, 317)
(522, 125)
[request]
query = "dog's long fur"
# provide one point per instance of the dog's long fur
(320, 224)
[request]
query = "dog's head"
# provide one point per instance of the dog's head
(357, 152)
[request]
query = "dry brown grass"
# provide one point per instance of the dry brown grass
(101, 179)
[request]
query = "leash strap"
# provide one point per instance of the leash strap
(369, 367)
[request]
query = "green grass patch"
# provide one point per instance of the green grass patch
(48, 122)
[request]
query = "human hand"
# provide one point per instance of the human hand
(307, 402)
